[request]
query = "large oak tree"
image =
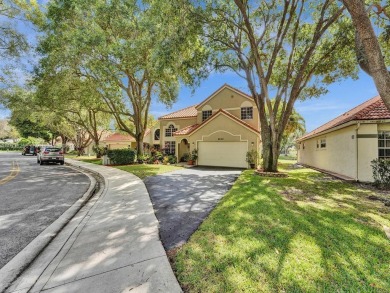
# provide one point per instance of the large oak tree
(286, 50)
(132, 51)
(368, 47)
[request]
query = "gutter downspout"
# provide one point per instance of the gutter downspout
(357, 151)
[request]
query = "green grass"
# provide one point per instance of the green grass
(304, 233)
(87, 159)
(145, 170)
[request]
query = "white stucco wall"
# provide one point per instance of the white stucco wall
(339, 156)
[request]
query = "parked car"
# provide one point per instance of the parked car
(50, 154)
(29, 150)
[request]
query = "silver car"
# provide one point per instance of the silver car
(50, 154)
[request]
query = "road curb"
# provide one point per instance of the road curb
(24, 258)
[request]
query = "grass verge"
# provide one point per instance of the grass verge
(304, 233)
(145, 170)
(87, 159)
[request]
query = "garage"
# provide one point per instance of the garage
(222, 154)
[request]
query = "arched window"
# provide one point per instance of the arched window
(170, 130)
(157, 134)
(246, 111)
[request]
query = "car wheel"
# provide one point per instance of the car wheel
(40, 162)
(62, 162)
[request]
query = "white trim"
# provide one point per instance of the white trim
(344, 125)
(178, 118)
(222, 113)
(236, 135)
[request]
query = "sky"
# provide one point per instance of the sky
(341, 97)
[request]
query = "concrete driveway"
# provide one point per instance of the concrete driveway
(183, 198)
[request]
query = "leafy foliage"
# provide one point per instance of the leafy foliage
(381, 172)
(287, 49)
(121, 156)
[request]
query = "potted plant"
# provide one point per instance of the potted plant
(252, 157)
(193, 157)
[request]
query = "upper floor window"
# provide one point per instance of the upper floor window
(206, 114)
(384, 145)
(246, 113)
(170, 130)
(157, 134)
(321, 143)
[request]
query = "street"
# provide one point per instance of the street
(31, 198)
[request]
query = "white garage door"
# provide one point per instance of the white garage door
(222, 154)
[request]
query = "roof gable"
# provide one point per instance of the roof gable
(373, 109)
(223, 87)
(193, 128)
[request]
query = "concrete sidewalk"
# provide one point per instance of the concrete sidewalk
(116, 248)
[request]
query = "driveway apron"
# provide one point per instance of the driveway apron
(183, 199)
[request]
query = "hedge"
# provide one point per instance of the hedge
(121, 156)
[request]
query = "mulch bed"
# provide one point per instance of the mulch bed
(270, 174)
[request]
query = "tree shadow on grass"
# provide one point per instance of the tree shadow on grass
(258, 239)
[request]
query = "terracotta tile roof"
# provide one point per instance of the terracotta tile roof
(189, 129)
(372, 109)
(123, 137)
(183, 113)
(119, 137)
(186, 130)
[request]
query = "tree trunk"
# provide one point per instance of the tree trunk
(140, 144)
(370, 45)
(97, 149)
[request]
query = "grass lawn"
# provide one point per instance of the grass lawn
(145, 170)
(87, 159)
(304, 233)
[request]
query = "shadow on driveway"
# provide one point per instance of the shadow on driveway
(183, 198)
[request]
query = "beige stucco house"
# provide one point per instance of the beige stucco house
(222, 128)
(347, 144)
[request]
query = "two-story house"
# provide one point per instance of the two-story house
(222, 128)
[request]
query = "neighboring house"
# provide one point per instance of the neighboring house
(222, 129)
(120, 141)
(347, 144)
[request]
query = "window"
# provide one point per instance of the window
(206, 114)
(157, 134)
(170, 130)
(321, 143)
(384, 145)
(246, 113)
(170, 147)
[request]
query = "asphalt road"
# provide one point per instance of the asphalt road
(31, 198)
(184, 198)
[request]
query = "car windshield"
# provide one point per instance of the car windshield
(53, 149)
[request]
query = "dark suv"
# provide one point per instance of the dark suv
(29, 150)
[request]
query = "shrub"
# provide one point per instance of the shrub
(143, 158)
(194, 155)
(11, 147)
(252, 156)
(121, 156)
(381, 172)
(185, 157)
(165, 160)
(98, 150)
(172, 159)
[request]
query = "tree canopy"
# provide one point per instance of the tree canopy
(130, 51)
(289, 50)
